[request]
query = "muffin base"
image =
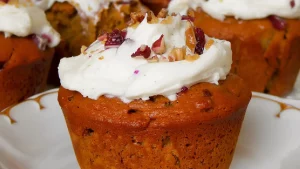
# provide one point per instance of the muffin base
(24, 69)
(198, 130)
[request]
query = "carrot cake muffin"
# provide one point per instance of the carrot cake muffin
(264, 34)
(81, 21)
(26, 40)
(155, 95)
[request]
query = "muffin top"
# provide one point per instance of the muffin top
(154, 56)
(23, 19)
(240, 9)
(86, 8)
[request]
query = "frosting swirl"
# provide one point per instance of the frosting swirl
(23, 19)
(131, 70)
(240, 9)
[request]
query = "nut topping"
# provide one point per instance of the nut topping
(208, 44)
(192, 58)
(178, 53)
(190, 38)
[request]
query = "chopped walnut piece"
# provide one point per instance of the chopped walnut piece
(178, 53)
(154, 59)
(163, 13)
(209, 43)
(83, 49)
(170, 59)
(190, 38)
(101, 58)
(151, 18)
(191, 12)
(192, 58)
(168, 20)
(136, 17)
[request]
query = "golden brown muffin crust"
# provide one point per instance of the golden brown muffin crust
(23, 69)
(198, 130)
(201, 102)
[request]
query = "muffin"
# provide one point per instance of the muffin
(80, 22)
(27, 42)
(265, 38)
(155, 95)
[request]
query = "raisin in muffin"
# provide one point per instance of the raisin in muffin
(80, 22)
(265, 38)
(26, 40)
(155, 95)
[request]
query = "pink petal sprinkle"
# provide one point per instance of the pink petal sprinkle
(136, 72)
(277, 22)
(184, 89)
(292, 3)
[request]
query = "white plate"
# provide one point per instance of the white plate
(39, 138)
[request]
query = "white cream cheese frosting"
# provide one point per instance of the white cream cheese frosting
(114, 72)
(24, 19)
(240, 9)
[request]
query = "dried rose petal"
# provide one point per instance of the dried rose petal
(115, 39)
(159, 46)
(40, 41)
(136, 72)
(184, 89)
(277, 22)
(143, 51)
(200, 38)
(47, 38)
(292, 3)
(188, 18)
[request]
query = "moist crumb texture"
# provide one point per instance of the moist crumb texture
(198, 130)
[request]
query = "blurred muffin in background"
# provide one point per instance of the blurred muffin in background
(264, 34)
(80, 22)
(27, 41)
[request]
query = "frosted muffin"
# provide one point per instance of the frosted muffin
(264, 35)
(26, 40)
(155, 95)
(81, 21)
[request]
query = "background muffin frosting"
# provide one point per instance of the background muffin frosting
(242, 9)
(23, 19)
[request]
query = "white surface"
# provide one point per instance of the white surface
(40, 140)
(240, 9)
(296, 92)
(114, 74)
